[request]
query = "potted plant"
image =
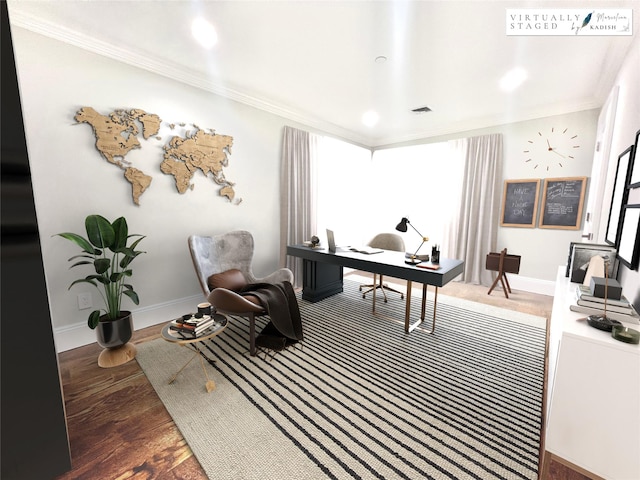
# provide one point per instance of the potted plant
(105, 249)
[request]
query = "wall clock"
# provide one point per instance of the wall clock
(552, 147)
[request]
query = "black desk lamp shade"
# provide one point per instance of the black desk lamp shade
(402, 227)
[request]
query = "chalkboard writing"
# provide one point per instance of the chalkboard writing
(519, 203)
(562, 203)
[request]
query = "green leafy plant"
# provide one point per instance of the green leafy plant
(105, 248)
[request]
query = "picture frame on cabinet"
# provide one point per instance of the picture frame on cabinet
(634, 181)
(620, 195)
(629, 248)
(580, 255)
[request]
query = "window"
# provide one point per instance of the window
(418, 182)
(360, 194)
(343, 190)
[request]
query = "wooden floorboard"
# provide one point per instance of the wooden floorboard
(119, 428)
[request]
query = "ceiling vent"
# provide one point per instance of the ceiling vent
(421, 110)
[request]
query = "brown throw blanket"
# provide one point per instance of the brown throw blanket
(279, 300)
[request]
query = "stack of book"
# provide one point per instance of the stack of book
(191, 326)
(620, 310)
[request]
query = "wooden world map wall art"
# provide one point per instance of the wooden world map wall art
(117, 133)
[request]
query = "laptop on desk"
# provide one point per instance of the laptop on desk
(333, 248)
(331, 241)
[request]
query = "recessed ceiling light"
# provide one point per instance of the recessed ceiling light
(370, 118)
(381, 59)
(513, 79)
(204, 33)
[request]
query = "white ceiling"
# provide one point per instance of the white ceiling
(314, 61)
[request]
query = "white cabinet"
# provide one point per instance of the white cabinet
(593, 395)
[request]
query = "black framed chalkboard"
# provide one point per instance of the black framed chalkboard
(519, 203)
(562, 202)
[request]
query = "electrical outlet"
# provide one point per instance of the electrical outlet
(84, 301)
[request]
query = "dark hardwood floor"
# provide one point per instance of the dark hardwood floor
(119, 428)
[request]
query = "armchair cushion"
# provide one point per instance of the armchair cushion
(230, 279)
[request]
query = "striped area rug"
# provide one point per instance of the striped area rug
(362, 399)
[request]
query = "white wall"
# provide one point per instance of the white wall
(542, 250)
(71, 180)
(627, 123)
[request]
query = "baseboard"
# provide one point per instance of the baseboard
(532, 285)
(79, 334)
(517, 282)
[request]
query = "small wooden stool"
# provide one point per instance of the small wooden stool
(503, 264)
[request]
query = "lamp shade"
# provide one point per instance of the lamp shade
(413, 259)
(402, 226)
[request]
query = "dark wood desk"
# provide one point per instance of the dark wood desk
(323, 276)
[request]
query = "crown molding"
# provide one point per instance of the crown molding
(485, 122)
(176, 72)
(199, 80)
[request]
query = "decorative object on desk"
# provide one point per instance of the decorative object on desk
(313, 243)
(629, 245)
(585, 298)
(429, 266)
(412, 259)
(602, 323)
(625, 334)
(619, 196)
(580, 255)
(606, 288)
(435, 254)
(106, 250)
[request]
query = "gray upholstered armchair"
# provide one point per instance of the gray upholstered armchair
(233, 250)
(223, 266)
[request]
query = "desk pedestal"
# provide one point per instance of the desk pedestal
(321, 280)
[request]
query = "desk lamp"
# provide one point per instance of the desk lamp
(402, 227)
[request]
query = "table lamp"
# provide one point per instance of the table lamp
(602, 322)
(402, 227)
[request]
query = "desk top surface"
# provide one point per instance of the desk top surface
(385, 263)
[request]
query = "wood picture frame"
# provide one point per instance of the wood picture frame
(634, 180)
(562, 203)
(619, 195)
(629, 248)
(520, 203)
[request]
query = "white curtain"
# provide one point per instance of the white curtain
(298, 202)
(473, 228)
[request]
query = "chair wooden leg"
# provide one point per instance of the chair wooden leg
(493, 285)
(506, 280)
(252, 335)
(504, 287)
